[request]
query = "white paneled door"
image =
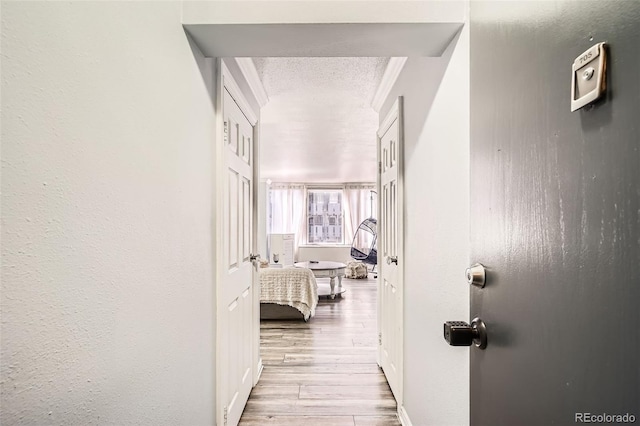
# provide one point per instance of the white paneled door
(235, 289)
(390, 256)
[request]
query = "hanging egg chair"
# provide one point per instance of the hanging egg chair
(363, 247)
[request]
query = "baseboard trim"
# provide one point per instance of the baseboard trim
(260, 369)
(404, 417)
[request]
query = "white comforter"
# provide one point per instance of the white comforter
(295, 287)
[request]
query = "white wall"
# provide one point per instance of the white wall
(107, 290)
(436, 104)
(108, 310)
(318, 11)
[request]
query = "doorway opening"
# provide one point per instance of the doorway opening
(209, 38)
(319, 169)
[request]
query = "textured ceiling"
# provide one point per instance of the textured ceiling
(318, 125)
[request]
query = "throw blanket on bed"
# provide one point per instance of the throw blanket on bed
(295, 287)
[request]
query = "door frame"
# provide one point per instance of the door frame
(396, 112)
(225, 80)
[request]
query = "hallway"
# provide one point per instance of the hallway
(324, 372)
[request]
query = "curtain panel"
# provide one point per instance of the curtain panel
(360, 204)
(286, 211)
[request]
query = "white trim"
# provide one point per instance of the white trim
(234, 90)
(250, 74)
(225, 81)
(392, 115)
(395, 113)
(399, 104)
(391, 73)
(260, 368)
(256, 249)
(404, 417)
(217, 237)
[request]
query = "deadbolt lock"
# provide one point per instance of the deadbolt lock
(476, 275)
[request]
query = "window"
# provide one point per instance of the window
(324, 216)
(319, 214)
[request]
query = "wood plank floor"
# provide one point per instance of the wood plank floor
(324, 372)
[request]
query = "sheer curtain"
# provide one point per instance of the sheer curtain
(287, 211)
(358, 206)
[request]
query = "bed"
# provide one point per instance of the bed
(287, 293)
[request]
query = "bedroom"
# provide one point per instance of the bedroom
(317, 153)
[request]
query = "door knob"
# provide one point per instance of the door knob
(392, 259)
(476, 275)
(253, 257)
(460, 333)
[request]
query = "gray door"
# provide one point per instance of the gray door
(555, 214)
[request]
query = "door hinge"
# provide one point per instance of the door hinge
(379, 339)
(379, 167)
(226, 131)
(226, 413)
